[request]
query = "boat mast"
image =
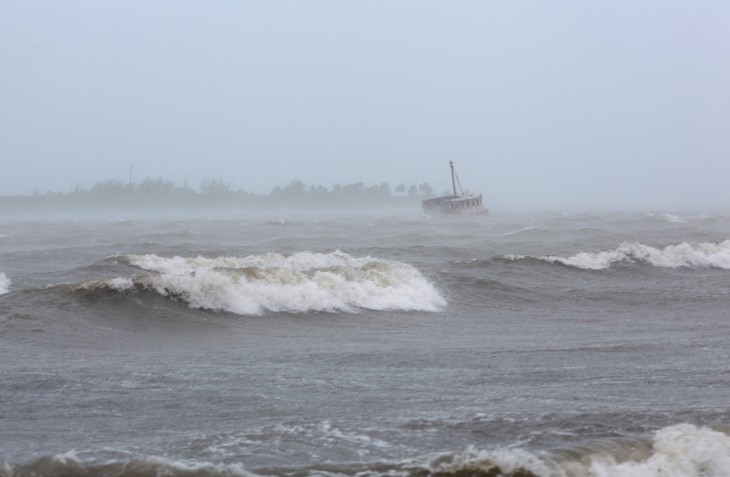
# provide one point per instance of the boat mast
(453, 176)
(455, 180)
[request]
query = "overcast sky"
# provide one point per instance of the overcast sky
(541, 105)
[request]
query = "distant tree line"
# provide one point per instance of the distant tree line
(157, 193)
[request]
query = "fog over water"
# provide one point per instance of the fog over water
(214, 260)
(542, 105)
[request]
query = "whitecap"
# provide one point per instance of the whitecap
(679, 450)
(4, 284)
(298, 283)
(671, 218)
(697, 255)
(524, 230)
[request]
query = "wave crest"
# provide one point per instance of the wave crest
(700, 255)
(4, 284)
(298, 283)
(69, 464)
(681, 450)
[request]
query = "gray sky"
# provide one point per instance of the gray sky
(542, 105)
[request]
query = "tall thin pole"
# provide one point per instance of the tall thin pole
(453, 176)
(130, 176)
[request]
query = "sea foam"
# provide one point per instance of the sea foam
(671, 218)
(679, 451)
(4, 284)
(698, 255)
(298, 283)
(70, 463)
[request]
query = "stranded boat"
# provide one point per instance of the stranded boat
(457, 204)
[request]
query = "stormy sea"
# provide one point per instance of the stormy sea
(547, 344)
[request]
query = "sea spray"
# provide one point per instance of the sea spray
(698, 255)
(535, 369)
(298, 283)
(4, 284)
(682, 450)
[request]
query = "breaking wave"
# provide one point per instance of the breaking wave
(69, 464)
(671, 218)
(682, 450)
(524, 230)
(4, 284)
(298, 283)
(700, 255)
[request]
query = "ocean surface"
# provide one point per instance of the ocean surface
(550, 344)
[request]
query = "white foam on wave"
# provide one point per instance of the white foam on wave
(4, 284)
(671, 218)
(699, 255)
(70, 463)
(525, 230)
(475, 462)
(298, 283)
(682, 450)
(152, 465)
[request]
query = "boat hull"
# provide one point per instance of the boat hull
(454, 205)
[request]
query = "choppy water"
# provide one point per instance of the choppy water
(547, 345)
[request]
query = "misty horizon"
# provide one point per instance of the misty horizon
(152, 197)
(619, 105)
(160, 195)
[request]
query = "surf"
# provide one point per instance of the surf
(5, 283)
(680, 450)
(683, 255)
(301, 282)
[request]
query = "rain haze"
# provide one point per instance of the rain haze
(541, 105)
(225, 251)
